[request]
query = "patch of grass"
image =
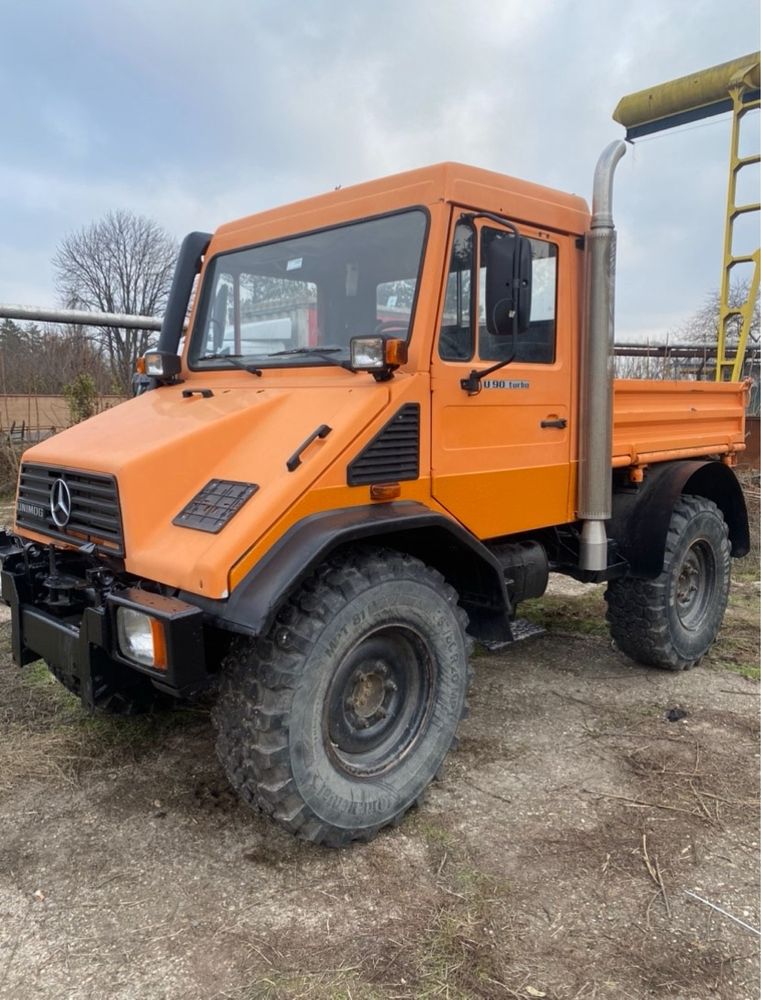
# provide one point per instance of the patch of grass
(332, 984)
(746, 569)
(584, 614)
(460, 953)
(45, 732)
(747, 670)
(37, 675)
(433, 833)
(737, 648)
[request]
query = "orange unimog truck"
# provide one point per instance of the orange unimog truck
(391, 418)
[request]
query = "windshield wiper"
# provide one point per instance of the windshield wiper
(306, 350)
(317, 352)
(234, 360)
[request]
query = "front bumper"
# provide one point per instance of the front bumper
(83, 646)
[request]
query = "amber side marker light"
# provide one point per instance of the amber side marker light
(159, 645)
(385, 491)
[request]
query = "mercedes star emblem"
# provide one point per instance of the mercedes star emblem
(60, 503)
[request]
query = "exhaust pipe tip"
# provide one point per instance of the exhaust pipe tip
(593, 551)
(602, 191)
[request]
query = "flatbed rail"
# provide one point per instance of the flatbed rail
(656, 421)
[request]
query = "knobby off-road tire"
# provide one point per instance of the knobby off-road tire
(335, 722)
(671, 621)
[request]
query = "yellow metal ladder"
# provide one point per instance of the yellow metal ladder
(731, 86)
(729, 359)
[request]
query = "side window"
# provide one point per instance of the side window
(537, 345)
(456, 334)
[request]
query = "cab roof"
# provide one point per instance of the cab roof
(471, 187)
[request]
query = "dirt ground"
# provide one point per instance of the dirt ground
(553, 859)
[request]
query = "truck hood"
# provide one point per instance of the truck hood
(163, 448)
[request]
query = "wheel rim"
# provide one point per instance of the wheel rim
(695, 584)
(379, 701)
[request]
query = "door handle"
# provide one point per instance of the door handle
(559, 422)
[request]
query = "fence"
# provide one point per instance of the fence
(685, 361)
(28, 418)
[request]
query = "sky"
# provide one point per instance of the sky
(195, 113)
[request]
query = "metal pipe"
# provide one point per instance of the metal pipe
(689, 98)
(596, 391)
(79, 317)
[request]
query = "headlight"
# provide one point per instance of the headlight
(161, 364)
(367, 353)
(380, 355)
(141, 638)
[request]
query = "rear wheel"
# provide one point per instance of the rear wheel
(336, 722)
(672, 621)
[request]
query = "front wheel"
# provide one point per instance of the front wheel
(671, 621)
(336, 722)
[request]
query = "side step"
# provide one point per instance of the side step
(521, 629)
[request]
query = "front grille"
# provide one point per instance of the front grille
(94, 517)
(393, 454)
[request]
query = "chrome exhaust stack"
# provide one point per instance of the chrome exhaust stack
(596, 389)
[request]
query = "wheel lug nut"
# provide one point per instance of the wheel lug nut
(390, 685)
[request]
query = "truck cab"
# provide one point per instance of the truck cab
(367, 454)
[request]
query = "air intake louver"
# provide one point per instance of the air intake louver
(92, 504)
(393, 454)
(213, 506)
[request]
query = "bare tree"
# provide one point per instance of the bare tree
(44, 361)
(123, 263)
(700, 330)
(703, 326)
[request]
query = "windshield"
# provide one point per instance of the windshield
(301, 300)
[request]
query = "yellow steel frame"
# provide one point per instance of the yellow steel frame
(732, 86)
(729, 361)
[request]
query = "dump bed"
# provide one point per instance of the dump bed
(657, 421)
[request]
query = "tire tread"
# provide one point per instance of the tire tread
(636, 611)
(258, 682)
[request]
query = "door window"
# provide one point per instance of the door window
(537, 345)
(456, 335)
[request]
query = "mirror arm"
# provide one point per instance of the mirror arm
(501, 220)
(472, 384)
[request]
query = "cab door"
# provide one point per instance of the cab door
(501, 458)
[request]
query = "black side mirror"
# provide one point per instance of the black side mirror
(508, 284)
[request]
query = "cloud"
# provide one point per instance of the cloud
(195, 113)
